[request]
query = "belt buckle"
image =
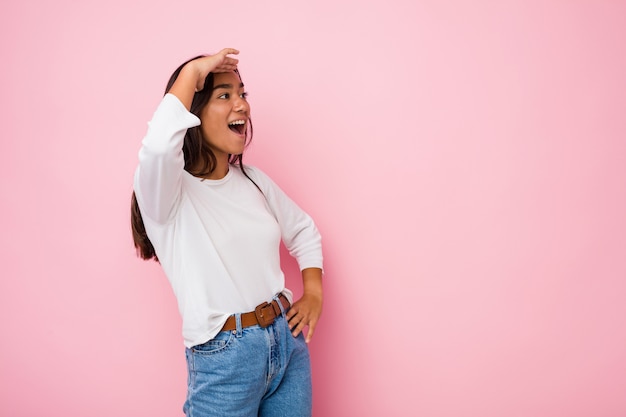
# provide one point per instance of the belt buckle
(264, 314)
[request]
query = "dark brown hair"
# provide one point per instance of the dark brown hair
(200, 160)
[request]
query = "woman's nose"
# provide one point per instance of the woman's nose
(241, 105)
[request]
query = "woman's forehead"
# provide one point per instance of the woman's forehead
(227, 78)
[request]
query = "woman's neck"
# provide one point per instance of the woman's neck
(221, 169)
(219, 172)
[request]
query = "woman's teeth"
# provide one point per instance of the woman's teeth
(237, 126)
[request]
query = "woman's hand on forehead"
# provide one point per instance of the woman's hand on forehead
(193, 75)
(220, 62)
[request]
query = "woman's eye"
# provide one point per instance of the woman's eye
(244, 95)
(225, 96)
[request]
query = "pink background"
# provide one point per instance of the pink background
(465, 162)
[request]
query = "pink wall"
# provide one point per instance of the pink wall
(465, 161)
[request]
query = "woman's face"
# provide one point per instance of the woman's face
(225, 117)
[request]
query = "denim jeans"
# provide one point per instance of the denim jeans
(250, 372)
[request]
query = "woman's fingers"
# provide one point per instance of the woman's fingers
(220, 62)
(229, 51)
(305, 312)
(298, 322)
(229, 64)
(226, 62)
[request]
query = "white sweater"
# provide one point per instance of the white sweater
(217, 240)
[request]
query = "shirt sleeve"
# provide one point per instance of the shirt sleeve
(298, 230)
(158, 178)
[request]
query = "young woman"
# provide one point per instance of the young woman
(215, 226)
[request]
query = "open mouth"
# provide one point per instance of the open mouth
(238, 126)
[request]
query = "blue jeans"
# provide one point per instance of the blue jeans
(250, 372)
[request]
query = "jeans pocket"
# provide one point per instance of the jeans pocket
(220, 342)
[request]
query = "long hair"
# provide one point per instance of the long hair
(199, 160)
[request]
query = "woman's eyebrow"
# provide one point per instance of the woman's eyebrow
(226, 86)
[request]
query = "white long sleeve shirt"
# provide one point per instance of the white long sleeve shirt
(217, 240)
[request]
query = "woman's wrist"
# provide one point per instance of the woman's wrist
(185, 85)
(312, 282)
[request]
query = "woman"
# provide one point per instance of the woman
(215, 226)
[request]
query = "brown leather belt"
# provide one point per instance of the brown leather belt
(263, 315)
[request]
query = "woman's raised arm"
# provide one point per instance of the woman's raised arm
(192, 76)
